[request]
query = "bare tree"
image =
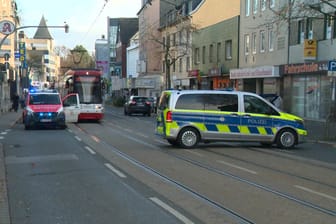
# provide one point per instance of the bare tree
(172, 48)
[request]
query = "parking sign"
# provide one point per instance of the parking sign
(332, 66)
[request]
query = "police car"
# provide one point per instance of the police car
(188, 117)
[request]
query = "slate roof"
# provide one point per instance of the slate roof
(42, 31)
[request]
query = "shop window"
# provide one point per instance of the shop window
(310, 96)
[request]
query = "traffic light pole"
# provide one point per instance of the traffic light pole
(65, 27)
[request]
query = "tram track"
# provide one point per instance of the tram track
(212, 169)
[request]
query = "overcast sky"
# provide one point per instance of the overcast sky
(87, 19)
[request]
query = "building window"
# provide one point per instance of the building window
(301, 32)
(219, 50)
(174, 39)
(247, 44)
(197, 56)
(164, 43)
(272, 3)
(180, 64)
(263, 5)
(164, 66)
(211, 53)
(255, 6)
(247, 7)
(203, 55)
(188, 64)
(254, 43)
(262, 41)
(228, 50)
(180, 37)
(328, 27)
(310, 28)
(174, 65)
(270, 40)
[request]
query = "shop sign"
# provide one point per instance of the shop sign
(259, 72)
(7, 27)
(305, 68)
(193, 73)
(310, 48)
(214, 72)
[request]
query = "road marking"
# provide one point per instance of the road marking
(237, 167)
(90, 150)
(40, 159)
(114, 170)
(142, 135)
(4, 133)
(195, 153)
(95, 138)
(1, 137)
(316, 192)
(160, 141)
(78, 138)
(171, 210)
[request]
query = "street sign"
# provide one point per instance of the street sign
(7, 27)
(332, 66)
(17, 54)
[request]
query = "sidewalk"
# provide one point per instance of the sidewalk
(321, 131)
(7, 121)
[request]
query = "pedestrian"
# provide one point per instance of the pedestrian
(15, 103)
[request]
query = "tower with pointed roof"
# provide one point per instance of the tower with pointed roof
(41, 49)
(42, 31)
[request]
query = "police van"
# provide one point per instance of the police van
(187, 117)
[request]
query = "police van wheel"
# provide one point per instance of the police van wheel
(286, 139)
(188, 138)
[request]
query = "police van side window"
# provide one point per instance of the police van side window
(253, 104)
(190, 102)
(222, 102)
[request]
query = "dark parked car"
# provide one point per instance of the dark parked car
(137, 104)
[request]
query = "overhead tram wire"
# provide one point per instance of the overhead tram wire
(95, 20)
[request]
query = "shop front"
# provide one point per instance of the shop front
(219, 81)
(260, 80)
(308, 89)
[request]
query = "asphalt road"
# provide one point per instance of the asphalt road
(118, 171)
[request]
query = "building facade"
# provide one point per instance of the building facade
(120, 31)
(9, 73)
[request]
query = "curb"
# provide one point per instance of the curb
(4, 208)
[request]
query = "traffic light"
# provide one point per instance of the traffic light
(66, 28)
